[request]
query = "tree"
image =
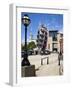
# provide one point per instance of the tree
(31, 45)
(22, 47)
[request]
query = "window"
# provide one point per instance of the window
(54, 38)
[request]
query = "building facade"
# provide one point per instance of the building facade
(42, 38)
(49, 39)
(55, 41)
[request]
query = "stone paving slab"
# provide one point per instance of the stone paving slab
(48, 70)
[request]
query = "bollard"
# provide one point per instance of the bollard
(47, 60)
(41, 62)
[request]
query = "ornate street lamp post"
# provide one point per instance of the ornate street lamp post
(25, 21)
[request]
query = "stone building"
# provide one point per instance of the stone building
(55, 41)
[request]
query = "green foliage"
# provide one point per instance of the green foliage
(30, 46)
(22, 47)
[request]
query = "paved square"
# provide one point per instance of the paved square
(46, 69)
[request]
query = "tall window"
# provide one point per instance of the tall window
(55, 37)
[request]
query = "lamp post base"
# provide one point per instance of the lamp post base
(25, 62)
(28, 71)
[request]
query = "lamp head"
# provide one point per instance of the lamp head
(26, 20)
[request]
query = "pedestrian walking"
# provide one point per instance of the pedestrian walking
(60, 57)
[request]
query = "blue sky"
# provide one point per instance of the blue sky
(51, 21)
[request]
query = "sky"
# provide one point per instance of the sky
(51, 21)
